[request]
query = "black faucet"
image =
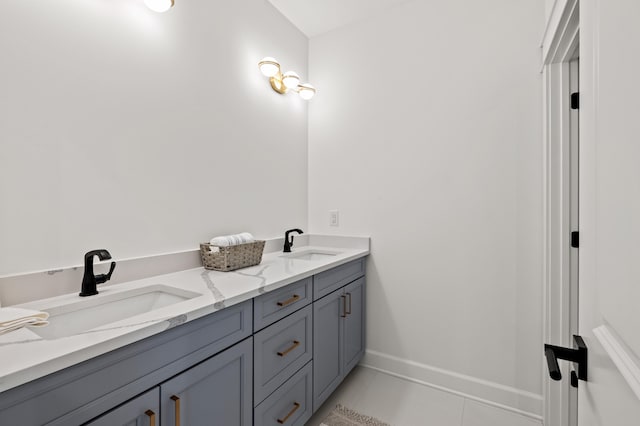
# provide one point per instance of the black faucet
(288, 243)
(90, 281)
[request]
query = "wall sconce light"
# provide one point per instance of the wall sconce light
(159, 5)
(283, 83)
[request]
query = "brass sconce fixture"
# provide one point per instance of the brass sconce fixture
(283, 83)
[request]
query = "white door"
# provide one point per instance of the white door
(609, 299)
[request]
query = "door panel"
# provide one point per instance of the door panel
(610, 210)
(215, 392)
(327, 346)
(618, 173)
(354, 325)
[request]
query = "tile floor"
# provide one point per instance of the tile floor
(403, 403)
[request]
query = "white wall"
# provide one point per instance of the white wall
(144, 133)
(425, 134)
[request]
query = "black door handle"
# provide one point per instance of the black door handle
(578, 356)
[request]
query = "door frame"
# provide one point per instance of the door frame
(560, 301)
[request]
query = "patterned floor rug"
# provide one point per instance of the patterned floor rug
(343, 416)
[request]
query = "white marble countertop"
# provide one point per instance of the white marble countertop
(26, 356)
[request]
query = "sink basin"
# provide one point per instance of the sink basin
(77, 316)
(311, 255)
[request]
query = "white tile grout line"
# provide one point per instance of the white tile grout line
(457, 393)
(464, 405)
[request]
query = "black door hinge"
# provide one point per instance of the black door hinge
(575, 239)
(575, 100)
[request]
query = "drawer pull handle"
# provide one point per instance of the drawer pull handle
(289, 301)
(349, 311)
(293, 410)
(152, 417)
(344, 306)
(177, 402)
(295, 345)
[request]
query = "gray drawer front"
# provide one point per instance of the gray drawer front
(277, 355)
(294, 394)
(275, 305)
(80, 393)
(328, 281)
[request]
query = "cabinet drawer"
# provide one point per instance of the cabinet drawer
(328, 281)
(280, 350)
(290, 405)
(275, 305)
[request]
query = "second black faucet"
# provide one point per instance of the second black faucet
(288, 243)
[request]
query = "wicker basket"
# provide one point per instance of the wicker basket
(232, 257)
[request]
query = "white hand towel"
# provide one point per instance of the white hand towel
(15, 318)
(232, 240)
(247, 237)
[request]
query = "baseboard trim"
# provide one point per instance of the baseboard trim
(507, 398)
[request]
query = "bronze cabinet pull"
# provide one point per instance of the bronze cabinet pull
(349, 311)
(293, 410)
(289, 301)
(295, 345)
(344, 306)
(177, 402)
(152, 417)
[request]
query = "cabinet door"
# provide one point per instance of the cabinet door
(328, 314)
(216, 392)
(143, 410)
(354, 322)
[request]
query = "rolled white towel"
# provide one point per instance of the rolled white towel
(15, 318)
(232, 240)
(246, 237)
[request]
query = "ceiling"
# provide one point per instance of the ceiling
(315, 17)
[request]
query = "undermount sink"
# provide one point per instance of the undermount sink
(77, 316)
(311, 255)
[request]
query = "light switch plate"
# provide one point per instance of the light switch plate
(333, 218)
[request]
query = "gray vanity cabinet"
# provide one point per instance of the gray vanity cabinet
(103, 385)
(338, 338)
(229, 368)
(215, 392)
(143, 410)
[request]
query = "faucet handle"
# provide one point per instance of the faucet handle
(101, 253)
(103, 278)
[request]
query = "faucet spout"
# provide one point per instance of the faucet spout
(89, 280)
(288, 243)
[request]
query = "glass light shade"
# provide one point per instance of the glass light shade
(159, 5)
(269, 66)
(290, 80)
(306, 91)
